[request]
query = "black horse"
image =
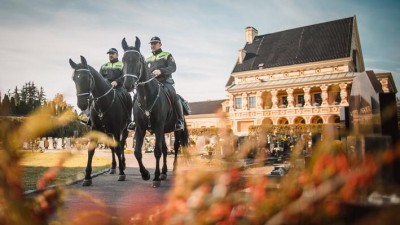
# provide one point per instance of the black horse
(108, 112)
(152, 111)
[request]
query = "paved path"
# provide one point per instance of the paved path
(121, 199)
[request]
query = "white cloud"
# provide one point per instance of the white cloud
(39, 37)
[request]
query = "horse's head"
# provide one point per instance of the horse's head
(84, 82)
(133, 64)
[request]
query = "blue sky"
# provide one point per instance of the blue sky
(38, 37)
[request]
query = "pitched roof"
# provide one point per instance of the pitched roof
(323, 41)
(205, 107)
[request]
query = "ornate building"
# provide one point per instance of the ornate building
(302, 75)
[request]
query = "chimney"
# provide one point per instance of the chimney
(250, 33)
(242, 54)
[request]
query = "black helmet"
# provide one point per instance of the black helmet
(155, 39)
(112, 50)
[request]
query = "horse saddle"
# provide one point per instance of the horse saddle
(184, 103)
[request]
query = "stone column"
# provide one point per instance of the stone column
(259, 100)
(290, 98)
(343, 94)
(245, 105)
(324, 94)
(274, 94)
(307, 97)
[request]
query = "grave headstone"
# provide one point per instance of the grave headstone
(59, 143)
(41, 144)
(51, 145)
(67, 144)
(129, 143)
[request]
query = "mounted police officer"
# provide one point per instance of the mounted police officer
(112, 71)
(161, 65)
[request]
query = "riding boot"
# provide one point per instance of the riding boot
(179, 113)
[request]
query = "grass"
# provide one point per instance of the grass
(35, 164)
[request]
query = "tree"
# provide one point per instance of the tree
(16, 95)
(5, 106)
(12, 109)
(42, 96)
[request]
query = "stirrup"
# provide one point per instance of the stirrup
(131, 126)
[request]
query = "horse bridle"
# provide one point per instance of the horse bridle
(90, 84)
(137, 83)
(91, 98)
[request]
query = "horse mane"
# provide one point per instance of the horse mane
(93, 70)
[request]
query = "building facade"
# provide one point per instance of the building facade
(206, 114)
(297, 76)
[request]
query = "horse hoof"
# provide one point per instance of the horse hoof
(121, 177)
(146, 175)
(156, 183)
(163, 176)
(87, 183)
(113, 171)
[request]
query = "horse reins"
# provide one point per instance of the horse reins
(91, 98)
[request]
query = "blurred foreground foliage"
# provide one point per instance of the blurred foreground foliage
(213, 190)
(222, 191)
(15, 206)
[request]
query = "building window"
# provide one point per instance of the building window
(227, 109)
(284, 100)
(300, 100)
(252, 102)
(317, 99)
(238, 103)
(338, 99)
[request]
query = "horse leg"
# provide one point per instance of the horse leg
(114, 163)
(139, 136)
(164, 171)
(88, 174)
(157, 153)
(124, 136)
(118, 151)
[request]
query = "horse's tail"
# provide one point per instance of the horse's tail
(184, 137)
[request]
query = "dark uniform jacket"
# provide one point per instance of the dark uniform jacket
(112, 71)
(165, 63)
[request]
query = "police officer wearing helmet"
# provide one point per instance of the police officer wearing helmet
(161, 65)
(112, 71)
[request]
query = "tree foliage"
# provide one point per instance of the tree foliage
(20, 103)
